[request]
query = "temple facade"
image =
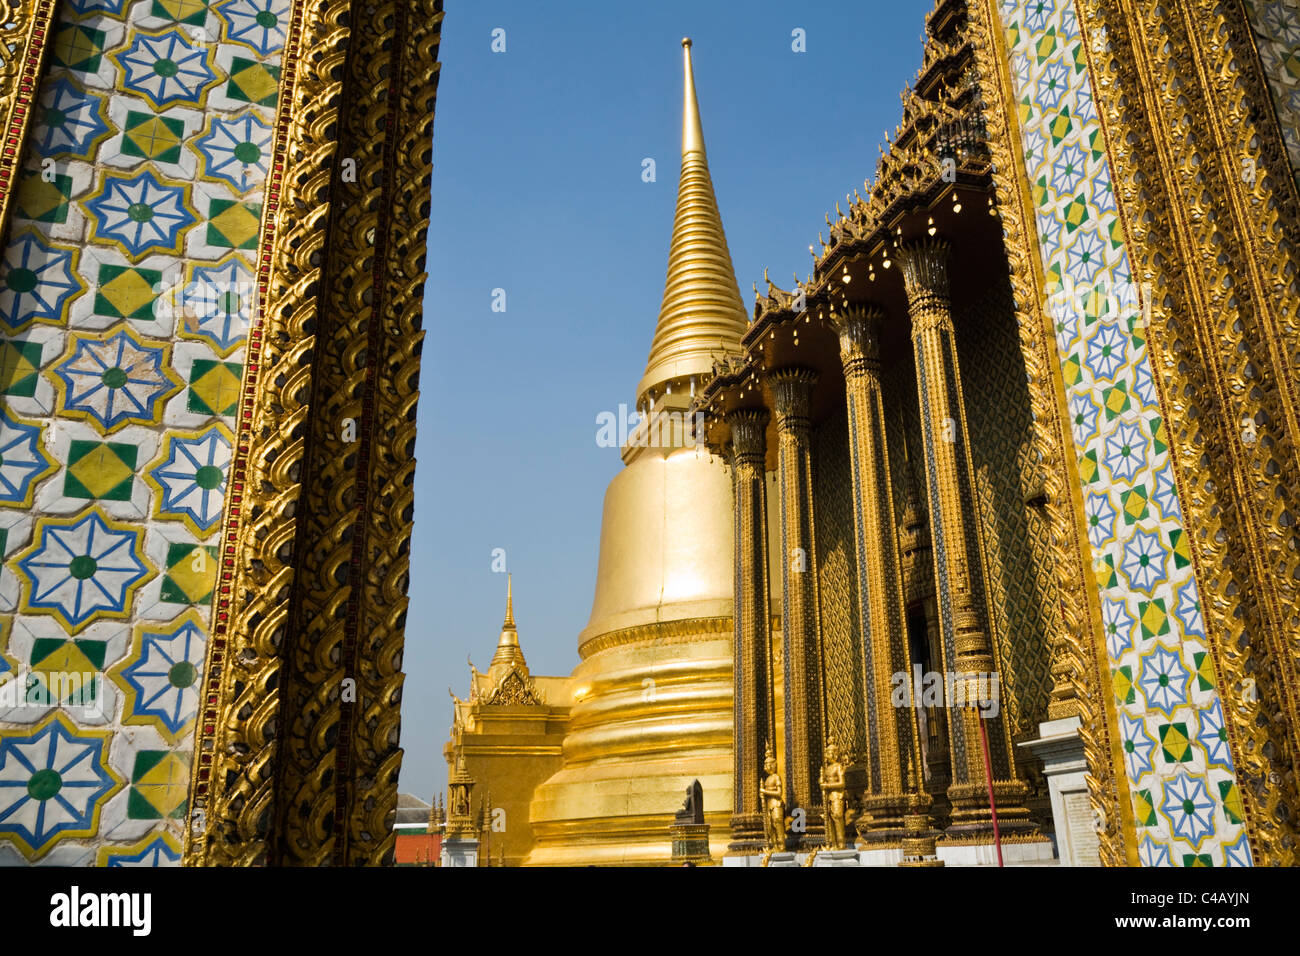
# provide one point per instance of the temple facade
(978, 542)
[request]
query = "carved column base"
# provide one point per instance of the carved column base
(883, 819)
(747, 836)
(919, 839)
(973, 823)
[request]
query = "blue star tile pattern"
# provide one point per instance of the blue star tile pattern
(236, 150)
(51, 783)
(1137, 745)
(1119, 627)
(1101, 518)
(149, 77)
(1152, 853)
(82, 568)
(1214, 736)
(1164, 679)
(1106, 351)
(161, 682)
(1126, 452)
(1083, 416)
(1189, 610)
(1238, 853)
(155, 853)
(23, 460)
(167, 68)
(1085, 257)
(141, 213)
(259, 23)
(73, 120)
(1189, 809)
(192, 477)
(224, 298)
(114, 379)
(38, 282)
(1166, 494)
(1144, 561)
(1068, 170)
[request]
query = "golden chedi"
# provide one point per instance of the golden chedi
(652, 707)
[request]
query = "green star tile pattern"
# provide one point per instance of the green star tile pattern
(234, 225)
(214, 387)
(68, 670)
(157, 138)
(20, 364)
(1174, 744)
(126, 292)
(160, 781)
(79, 47)
(253, 82)
(44, 195)
(191, 574)
(102, 470)
(191, 12)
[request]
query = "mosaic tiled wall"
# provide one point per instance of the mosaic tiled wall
(1186, 805)
(125, 296)
(1276, 24)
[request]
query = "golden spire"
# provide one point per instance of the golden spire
(692, 131)
(702, 313)
(508, 650)
(510, 603)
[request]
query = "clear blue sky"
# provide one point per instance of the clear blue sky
(537, 190)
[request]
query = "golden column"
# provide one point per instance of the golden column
(804, 678)
(879, 579)
(751, 674)
(957, 566)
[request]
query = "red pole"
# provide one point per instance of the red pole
(988, 779)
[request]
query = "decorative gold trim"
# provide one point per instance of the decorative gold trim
(294, 764)
(666, 632)
(26, 29)
(1222, 334)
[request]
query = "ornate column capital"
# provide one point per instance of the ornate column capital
(748, 435)
(859, 328)
(792, 394)
(925, 277)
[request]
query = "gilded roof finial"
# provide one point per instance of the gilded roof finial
(508, 650)
(510, 603)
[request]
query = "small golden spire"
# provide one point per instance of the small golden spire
(510, 604)
(508, 651)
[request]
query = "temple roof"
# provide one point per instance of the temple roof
(702, 315)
